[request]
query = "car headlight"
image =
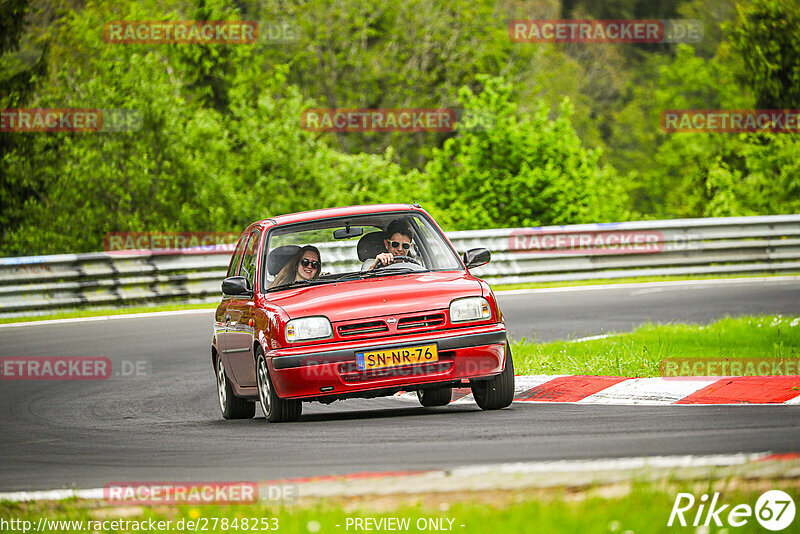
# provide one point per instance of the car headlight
(469, 309)
(307, 328)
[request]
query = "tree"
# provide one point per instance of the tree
(519, 171)
(412, 54)
(767, 37)
(187, 165)
(670, 168)
(23, 64)
(691, 174)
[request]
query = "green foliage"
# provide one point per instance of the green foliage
(220, 142)
(278, 167)
(191, 165)
(767, 37)
(23, 64)
(721, 188)
(671, 168)
(520, 171)
(416, 53)
(702, 174)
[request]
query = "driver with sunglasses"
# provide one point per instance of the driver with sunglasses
(398, 244)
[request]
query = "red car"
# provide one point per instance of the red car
(362, 301)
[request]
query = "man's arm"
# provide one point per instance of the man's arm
(384, 258)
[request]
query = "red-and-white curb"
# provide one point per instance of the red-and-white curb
(654, 391)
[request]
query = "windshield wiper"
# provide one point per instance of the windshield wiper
(377, 272)
(298, 283)
(393, 269)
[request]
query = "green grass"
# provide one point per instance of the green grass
(107, 311)
(640, 508)
(639, 353)
(633, 280)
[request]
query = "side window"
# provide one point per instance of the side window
(434, 250)
(237, 255)
(248, 269)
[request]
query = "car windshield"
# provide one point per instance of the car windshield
(346, 247)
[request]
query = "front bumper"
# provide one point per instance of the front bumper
(330, 370)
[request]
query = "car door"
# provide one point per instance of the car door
(221, 317)
(241, 330)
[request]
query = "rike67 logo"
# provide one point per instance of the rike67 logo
(774, 510)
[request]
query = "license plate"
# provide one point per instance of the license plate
(378, 359)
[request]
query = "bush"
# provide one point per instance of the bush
(519, 171)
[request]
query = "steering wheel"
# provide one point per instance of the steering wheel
(405, 259)
(399, 259)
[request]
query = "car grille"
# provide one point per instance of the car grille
(357, 329)
(421, 321)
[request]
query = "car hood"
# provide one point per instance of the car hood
(385, 295)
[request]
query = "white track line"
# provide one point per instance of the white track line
(52, 495)
(592, 338)
(714, 281)
(612, 464)
(109, 317)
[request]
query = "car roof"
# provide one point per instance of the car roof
(326, 213)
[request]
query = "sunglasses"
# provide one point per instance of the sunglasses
(305, 262)
(395, 244)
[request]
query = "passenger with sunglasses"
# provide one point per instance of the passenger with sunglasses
(305, 265)
(398, 244)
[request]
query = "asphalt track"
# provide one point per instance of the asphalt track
(166, 426)
(574, 312)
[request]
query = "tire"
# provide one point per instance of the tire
(232, 407)
(497, 392)
(276, 409)
(435, 397)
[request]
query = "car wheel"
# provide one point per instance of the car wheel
(497, 392)
(435, 397)
(276, 409)
(232, 407)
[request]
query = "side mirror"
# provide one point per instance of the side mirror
(236, 285)
(476, 257)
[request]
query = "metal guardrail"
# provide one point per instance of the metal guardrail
(40, 284)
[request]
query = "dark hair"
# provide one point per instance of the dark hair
(398, 226)
(288, 274)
